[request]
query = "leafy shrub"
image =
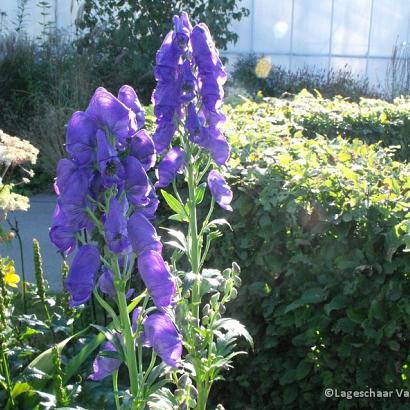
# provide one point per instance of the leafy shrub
(371, 120)
(274, 80)
(320, 230)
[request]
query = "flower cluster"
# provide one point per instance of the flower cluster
(105, 203)
(14, 152)
(190, 76)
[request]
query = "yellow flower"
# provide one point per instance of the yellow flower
(10, 276)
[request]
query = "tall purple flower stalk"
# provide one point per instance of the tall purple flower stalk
(105, 207)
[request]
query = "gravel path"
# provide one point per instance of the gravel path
(35, 224)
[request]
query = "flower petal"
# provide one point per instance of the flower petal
(220, 190)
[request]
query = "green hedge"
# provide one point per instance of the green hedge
(371, 120)
(320, 230)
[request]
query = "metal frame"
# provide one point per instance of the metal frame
(291, 54)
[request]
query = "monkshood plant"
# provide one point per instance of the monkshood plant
(104, 210)
(187, 105)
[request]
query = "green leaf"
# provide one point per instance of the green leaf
(234, 327)
(303, 369)
(44, 361)
(175, 205)
(220, 221)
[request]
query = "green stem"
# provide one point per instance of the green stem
(115, 389)
(193, 231)
(130, 352)
(7, 377)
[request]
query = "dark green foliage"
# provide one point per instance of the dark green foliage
(126, 41)
(280, 80)
(321, 231)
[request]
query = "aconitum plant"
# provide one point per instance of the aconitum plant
(105, 206)
(105, 215)
(187, 104)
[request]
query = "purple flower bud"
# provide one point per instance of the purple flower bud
(106, 282)
(111, 113)
(220, 190)
(188, 86)
(137, 183)
(157, 278)
(160, 334)
(182, 30)
(142, 234)
(128, 96)
(82, 274)
(104, 366)
(115, 227)
(62, 234)
(170, 165)
(142, 147)
(110, 166)
(80, 139)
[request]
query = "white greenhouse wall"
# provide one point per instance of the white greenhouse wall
(293, 33)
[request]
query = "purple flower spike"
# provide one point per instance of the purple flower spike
(82, 274)
(111, 113)
(62, 234)
(220, 190)
(136, 184)
(80, 139)
(112, 171)
(160, 334)
(170, 165)
(104, 366)
(115, 227)
(157, 278)
(143, 235)
(128, 96)
(142, 147)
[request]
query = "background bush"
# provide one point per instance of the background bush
(253, 74)
(320, 231)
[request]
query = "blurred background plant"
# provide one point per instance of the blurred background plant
(398, 71)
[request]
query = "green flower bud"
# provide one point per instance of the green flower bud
(222, 309)
(236, 268)
(205, 309)
(205, 320)
(227, 273)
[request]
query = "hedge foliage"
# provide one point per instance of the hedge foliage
(322, 233)
(371, 120)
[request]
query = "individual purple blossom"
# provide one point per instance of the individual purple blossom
(142, 234)
(157, 278)
(104, 366)
(160, 334)
(110, 166)
(171, 164)
(115, 227)
(128, 96)
(80, 138)
(62, 234)
(82, 274)
(136, 182)
(142, 147)
(220, 190)
(150, 208)
(72, 186)
(215, 142)
(111, 114)
(163, 134)
(106, 283)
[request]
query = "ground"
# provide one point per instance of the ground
(35, 223)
